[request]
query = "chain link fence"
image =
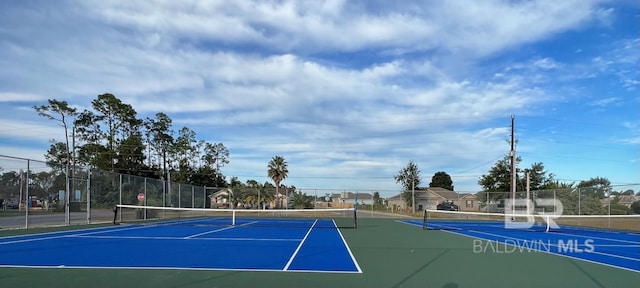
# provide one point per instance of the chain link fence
(613, 200)
(35, 194)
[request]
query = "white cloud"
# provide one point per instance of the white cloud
(475, 28)
(546, 63)
(19, 97)
(351, 89)
(605, 101)
(35, 131)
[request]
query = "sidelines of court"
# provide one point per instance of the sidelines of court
(537, 249)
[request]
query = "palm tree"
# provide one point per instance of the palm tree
(301, 201)
(251, 196)
(258, 188)
(277, 171)
(268, 196)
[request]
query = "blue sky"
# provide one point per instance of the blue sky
(347, 91)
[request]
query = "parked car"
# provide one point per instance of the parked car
(448, 206)
(12, 204)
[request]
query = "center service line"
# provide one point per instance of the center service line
(286, 267)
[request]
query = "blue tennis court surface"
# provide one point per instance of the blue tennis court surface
(612, 248)
(319, 247)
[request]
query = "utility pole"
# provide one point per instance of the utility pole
(413, 194)
(512, 153)
(164, 175)
(529, 200)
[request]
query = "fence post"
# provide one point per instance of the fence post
(89, 196)
(26, 202)
(145, 199)
(579, 201)
(67, 213)
(120, 201)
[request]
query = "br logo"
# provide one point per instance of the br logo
(513, 220)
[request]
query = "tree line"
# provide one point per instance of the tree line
(584, 197)
(111, 137)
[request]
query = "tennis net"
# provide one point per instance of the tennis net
(543, 222)
(290, 218)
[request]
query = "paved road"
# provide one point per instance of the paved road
(41, 219)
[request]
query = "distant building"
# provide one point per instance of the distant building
(348, 199)
(429, 198)
(220, 199)
(625, 200)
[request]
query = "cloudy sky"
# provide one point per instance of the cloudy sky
(348, 92)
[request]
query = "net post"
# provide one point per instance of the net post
(547, 223)
(424, 219)
(355, 211)
(233, 217)
(115, 214)
(355, 218)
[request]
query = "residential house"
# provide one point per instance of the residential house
(347, 199)
(625, 200)
(429, 198)
(221, 198)
(469, 202)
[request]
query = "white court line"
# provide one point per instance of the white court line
(617, 245)
(559, 233)
(555, 245)
(58, 232)
(218, 230)
(70, 235)
(347, 246)
(183, 238)
(286, 267)
(538, 250)
(590, 237)
(177, 268)
(552, 253)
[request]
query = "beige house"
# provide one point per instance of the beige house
(220, 199)
(468, 202)
(433, 196)
(347, 199)
(625, 200)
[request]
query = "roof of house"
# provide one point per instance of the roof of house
(351, 195)
(444, 193)
(437, 191)
(627, 199)
(221, 192)
(468, 196)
